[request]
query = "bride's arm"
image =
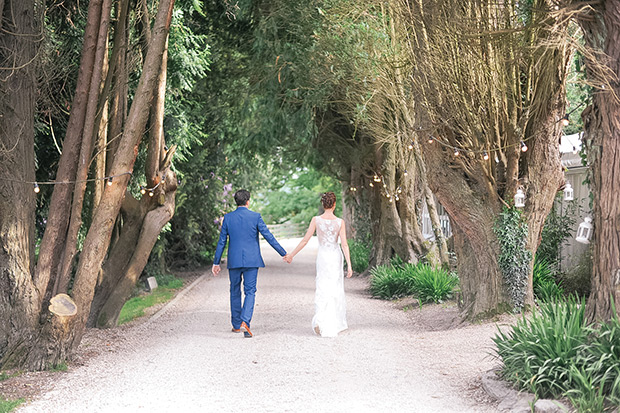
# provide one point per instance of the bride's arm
(305, 239)
(345, 248)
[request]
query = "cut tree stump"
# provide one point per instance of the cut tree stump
(62, 305)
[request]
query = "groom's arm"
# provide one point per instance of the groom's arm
(262, 228)
(221, 243)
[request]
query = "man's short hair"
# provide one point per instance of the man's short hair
(242, 197)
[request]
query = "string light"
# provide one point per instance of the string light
(377, 179)
(523, 147)
(399, 190)
(109, 182)
(485, 156)
(371, 185)
(36, 188)
(142, 190)
(456, 152)
(430, 139)
(151, 193)
(405, 173)
(37, 184)
(565, 121)
(410, 145)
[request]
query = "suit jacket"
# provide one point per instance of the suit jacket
(242, 227)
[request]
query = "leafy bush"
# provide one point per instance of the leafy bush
(388, 282)
(360, 254)
(422, 280)
(559, 226)
(545, 286)
(556, 353)
(433, 284)
(538, 352)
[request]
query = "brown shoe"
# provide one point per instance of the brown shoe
(236, 330)
(246, 330)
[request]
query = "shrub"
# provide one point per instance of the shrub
(537, 353)
(434, 284)
(422, 280)
(360, 254)
(555, 353)
(388, 282)
(545, 286)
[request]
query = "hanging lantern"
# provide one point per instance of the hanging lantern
(568, 192)
(519, 198)
(584, 232)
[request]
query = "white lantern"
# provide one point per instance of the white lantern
(568, 192)
(584, 232)
(519, 198)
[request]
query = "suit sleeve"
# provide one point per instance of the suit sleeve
(221, 243)
(262, 228)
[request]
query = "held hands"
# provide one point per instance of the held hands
(216, 270)
(288, 258)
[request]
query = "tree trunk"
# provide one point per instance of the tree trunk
(61, 335)
(601, 27)
(473, 210)
(150, 229)
(58, 219)
(88, 136)
(19, 299)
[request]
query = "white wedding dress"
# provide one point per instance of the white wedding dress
(330, 316)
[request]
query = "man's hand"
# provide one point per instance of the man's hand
(216, 270)
(287, 258)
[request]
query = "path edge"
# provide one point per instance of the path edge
(180, 295)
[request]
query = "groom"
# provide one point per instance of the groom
(242, 227)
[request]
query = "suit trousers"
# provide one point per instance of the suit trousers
(239, 312)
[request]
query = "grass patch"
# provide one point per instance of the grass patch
(135, 307)
(60, 367)
(557, 353)
(403, 279)
(7, 406)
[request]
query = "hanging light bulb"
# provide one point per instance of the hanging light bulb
(485, 156)
(584, 232)
(377, 179)
(431, 139)
(109, 181)
(565, 121)
(523, 147)
(568, 192)
(396, 197)
(399, 190)
(142, 190)
(456, 152)
(151, 193)
(410, 146)
(371, 184)
(519, 198)
(405, 173)
(36, 188)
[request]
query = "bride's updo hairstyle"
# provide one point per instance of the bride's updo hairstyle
(328, 199)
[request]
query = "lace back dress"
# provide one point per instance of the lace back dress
(329, 300)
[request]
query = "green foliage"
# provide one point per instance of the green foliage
(537, 352)
(514, 259)
(135, 307)
(387, 281)
(577, 280)
(7, 406)
(546, 288)
(434, 284)
(559, 227)
(422, 280)
(297, 198)
(360, 255)
(60, 367)
(555, 353)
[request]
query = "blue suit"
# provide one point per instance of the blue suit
(241, 227)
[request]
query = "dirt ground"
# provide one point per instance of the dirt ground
(395, 356)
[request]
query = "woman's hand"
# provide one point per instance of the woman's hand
(349, 272)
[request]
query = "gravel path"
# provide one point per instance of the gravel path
(186, 359)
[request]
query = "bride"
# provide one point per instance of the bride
(329, 301)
